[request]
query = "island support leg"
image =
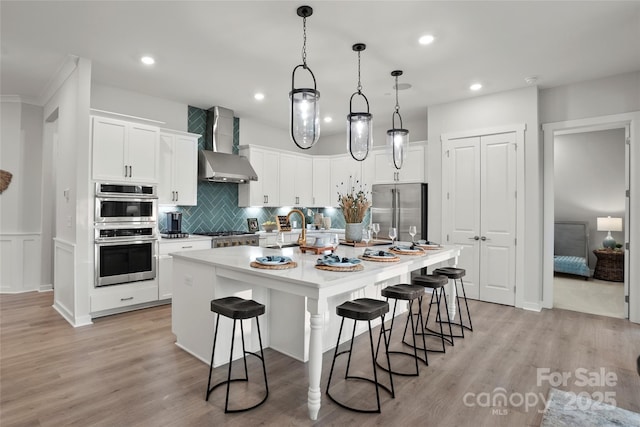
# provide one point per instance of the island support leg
(316, 309)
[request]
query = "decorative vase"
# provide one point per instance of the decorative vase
(353, 232)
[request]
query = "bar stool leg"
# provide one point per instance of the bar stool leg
(464, 294)
(233, 334)
(213, 351)
(264, 366)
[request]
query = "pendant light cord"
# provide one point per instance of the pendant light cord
(397, 103)
(359, 84)
(304, 42)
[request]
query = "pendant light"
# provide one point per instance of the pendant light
(359, 124)
(304, 120)
(397, 138)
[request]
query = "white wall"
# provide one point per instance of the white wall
(590, 181)
(20, 154)
(108, 98)
(601, 97)
(518, 106)
(73, 198)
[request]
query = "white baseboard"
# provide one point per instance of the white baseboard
(532, 306)
(69, 317)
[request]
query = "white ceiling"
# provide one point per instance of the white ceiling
(221, 52)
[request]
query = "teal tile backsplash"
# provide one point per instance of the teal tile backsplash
(217, 207)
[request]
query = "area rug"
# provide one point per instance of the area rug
(571, 409)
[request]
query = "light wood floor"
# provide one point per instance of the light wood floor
(125, 370)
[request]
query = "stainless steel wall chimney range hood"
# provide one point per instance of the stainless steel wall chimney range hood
(217, 162)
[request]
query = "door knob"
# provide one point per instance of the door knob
(474, 238)
(483, 238)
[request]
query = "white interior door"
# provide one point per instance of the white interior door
(462, 161)
(498, 218)
(480, 199)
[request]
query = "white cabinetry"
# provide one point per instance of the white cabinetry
(296, 180)
(124, 151)
(264, 191)
(116, 297)
(412, 168)
(178, 183)
(320, 184)
(165, 262)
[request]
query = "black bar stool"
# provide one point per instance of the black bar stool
(237, 309)
(436, 283)
(409, 293)
(456, 274)
(362, 309)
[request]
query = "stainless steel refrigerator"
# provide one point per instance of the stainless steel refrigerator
(400, 206)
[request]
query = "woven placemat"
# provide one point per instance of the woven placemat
(399, 252)
(356, 267)
(290, 264)
(386, 259)
(429, 248)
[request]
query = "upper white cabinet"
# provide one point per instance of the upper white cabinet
(321, 184)
(178, 181)
(264, 191)
(124, 151)
(412, 169)
(296, 180)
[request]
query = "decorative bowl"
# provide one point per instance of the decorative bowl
(269, 227)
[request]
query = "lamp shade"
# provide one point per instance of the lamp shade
(609, 224)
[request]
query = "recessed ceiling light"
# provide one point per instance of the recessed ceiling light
(328, 119)
(147, 60)
(426, 39)
(475, 86)
(259, 96)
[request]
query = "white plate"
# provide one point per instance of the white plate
(390, 256)
(407, 249)
(342, 264)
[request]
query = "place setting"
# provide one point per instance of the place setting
(273, 262)
(400, 249)
(333, 262)
(374, 254)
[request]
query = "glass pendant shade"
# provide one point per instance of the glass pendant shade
(359, 135)
(397, 140)
(305, 116)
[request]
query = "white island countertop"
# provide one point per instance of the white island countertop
(300, 320)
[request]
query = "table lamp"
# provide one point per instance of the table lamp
(609, 224)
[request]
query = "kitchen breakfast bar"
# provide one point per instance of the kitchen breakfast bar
(300, 319)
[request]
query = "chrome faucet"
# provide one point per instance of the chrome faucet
(302, 239)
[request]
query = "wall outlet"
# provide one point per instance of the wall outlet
(69, 221)
(188, 280)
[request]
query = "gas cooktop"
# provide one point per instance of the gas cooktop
(223, 233)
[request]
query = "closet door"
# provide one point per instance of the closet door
(480, 213)
(462, 198)
(498, 218)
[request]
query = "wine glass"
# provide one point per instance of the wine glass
(375, 227)
(393, 233)
(280, 240)
(412, 232)
(335, 241)
(366, 236)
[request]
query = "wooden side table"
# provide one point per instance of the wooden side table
(610, 265)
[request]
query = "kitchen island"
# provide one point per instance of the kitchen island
(300, 318)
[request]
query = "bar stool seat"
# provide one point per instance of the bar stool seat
(362, 309)
(237, 309)
(435, 282)
(456, 274)
(406, 292)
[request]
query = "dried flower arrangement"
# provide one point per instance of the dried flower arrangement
(354, 204)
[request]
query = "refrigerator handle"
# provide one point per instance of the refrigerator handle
(393, 207)
(397, 211)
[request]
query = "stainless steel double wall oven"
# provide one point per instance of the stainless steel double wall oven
(125, 225)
